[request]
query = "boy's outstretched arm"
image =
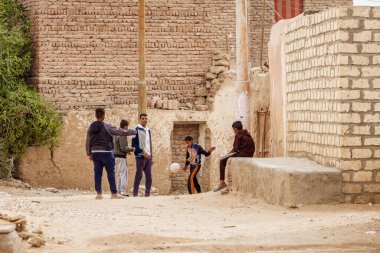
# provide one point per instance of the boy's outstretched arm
(206, 153)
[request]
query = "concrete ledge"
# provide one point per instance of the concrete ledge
(285, 181)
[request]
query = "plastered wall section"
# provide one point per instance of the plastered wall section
(333, 95)
(66, 166)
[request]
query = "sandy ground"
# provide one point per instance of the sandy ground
(73, 222)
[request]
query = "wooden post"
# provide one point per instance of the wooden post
(142, 102)
(262, 34)
(242, 64)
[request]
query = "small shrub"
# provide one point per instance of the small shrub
(25, 118)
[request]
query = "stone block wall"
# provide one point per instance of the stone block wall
(333, 95)
(255, 19)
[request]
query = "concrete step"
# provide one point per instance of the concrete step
(285, 181)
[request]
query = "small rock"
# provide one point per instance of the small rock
(201, 92)
(210, 76)
(51, 189)
(159, 104)
(189, 105)
(200, 101)
(38, 231)
(223, 63)
(217, 69)
(201, 107)
(36, 241)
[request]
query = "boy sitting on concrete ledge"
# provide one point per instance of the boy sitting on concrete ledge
(243, 146)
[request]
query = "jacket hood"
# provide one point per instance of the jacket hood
(96, 126)
(244, 132)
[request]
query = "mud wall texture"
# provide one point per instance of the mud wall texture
(66, 166)
(333, 95)
(86, 52)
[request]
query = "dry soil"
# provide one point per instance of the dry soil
(74, 222)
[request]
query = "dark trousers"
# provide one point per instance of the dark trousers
(143, 165)
(106, 160)
(222, 166)
(192, 182)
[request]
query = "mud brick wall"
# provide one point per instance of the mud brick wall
(333, 95)
(86, 52)
(180, 131)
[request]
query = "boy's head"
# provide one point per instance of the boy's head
(124, 124)
(189, 140)
(143, 119)
(236, 126)
(100, 114)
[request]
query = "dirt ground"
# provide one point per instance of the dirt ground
(74, 222)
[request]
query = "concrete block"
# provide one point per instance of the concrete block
(10, 242)
(286, 181)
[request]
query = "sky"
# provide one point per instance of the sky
(366, 2)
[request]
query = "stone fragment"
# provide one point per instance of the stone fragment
(201, 107)
(165, 104)
(51, 189)
(159, 104)
(201, 92)
(36, 241)
(210, 76)
(223, 63)
(189, 105)
(200, 101)
(217, 69)
(208, 84)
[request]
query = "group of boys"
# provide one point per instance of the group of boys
(107, 146)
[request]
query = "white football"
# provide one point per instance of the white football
(175, 167)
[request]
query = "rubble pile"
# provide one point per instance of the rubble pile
(34, 239)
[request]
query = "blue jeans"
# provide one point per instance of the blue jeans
(106, 160)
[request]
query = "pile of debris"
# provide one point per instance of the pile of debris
(204, 94)
(214, 79)
(165, 104)
(34, 239)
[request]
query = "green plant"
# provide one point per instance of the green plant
(25, 118)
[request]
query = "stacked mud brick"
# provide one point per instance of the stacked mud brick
(333, 95)
(86, 52)
(180, 131)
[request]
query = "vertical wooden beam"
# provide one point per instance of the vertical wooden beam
(262, 33)
(142, 101)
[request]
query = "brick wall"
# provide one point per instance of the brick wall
(333, 95)
(86, 51)
(180, 131)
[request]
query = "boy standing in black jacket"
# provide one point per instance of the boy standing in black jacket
(99, 146)
(194, 154)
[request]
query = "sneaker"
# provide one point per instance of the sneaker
(99, 196)
(124, 194)
(219, 187)
(116, 196)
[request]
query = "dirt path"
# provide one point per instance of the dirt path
(74, 222)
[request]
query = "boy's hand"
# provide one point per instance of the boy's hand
(90, 157)
(184, 168)
(212, 149)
